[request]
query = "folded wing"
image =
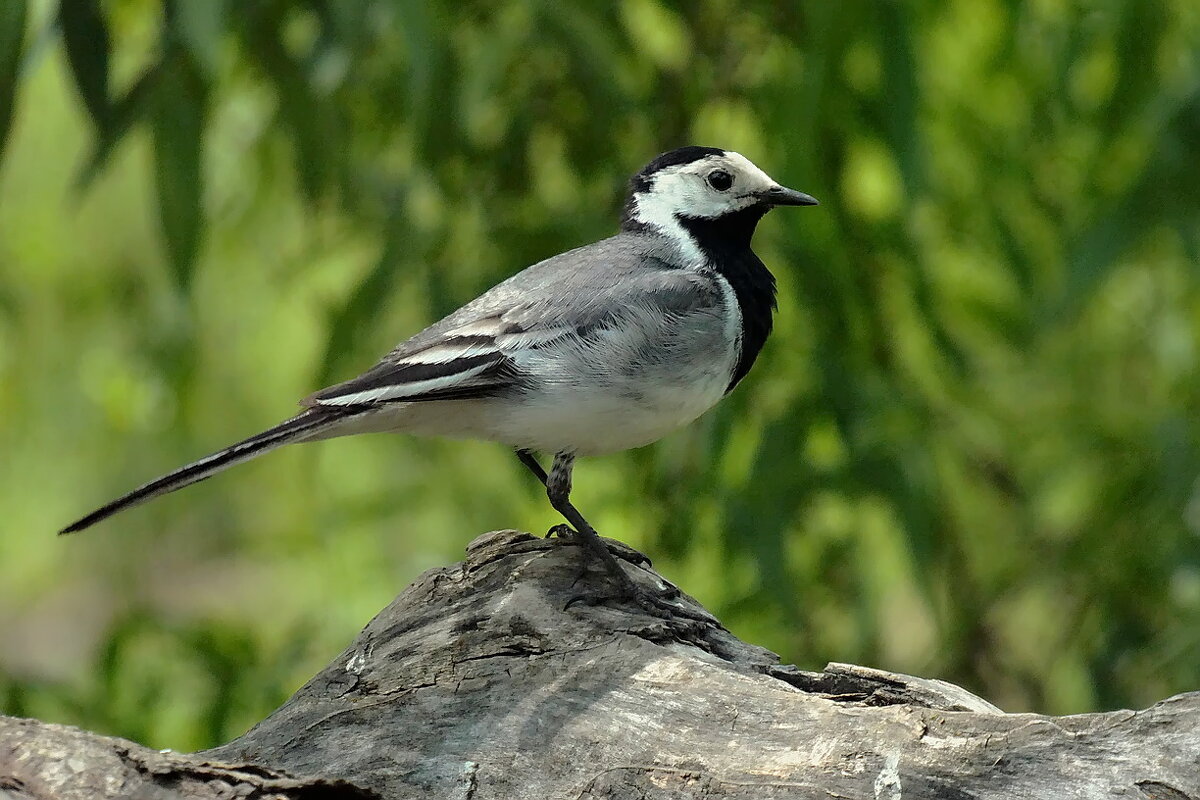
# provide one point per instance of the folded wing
(458, 365)
(479, 350)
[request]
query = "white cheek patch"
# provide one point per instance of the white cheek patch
(658, 210)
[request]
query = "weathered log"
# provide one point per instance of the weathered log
(504, 677)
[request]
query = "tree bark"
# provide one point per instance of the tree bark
(511, 676)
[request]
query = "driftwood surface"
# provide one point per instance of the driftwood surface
(505, 677)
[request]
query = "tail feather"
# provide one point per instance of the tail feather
(294, 429)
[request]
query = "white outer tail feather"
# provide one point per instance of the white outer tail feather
(295, 429)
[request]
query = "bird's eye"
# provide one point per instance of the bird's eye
(720, 180)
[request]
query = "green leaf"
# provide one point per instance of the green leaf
(200, 26)
(130, 109)
(1163, 195)
(421, 36)
(85, 36)
(900, 109)
(306, 116)
(597, 52)
(12, 37)
(178, 125)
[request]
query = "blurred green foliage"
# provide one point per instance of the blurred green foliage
(970, 450)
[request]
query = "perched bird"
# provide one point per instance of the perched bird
(603, 348)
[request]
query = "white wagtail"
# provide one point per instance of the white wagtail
(603, 348)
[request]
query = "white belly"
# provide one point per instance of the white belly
(605, 421)
(589, 420)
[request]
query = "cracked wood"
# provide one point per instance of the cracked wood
(510, 676)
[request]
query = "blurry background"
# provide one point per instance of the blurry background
(970, 451)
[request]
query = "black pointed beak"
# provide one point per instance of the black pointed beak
(781, 196)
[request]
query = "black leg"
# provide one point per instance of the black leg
(530, 460)
(558, 489)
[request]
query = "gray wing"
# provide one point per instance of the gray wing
(477, 351)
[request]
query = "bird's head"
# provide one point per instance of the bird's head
(693, 185)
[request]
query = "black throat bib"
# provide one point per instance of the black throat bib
(725, 242)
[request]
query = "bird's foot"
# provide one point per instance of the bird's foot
(618, 549)
(665, 602)
(561, 531)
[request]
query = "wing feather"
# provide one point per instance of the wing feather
(479, 350)
(460, 376)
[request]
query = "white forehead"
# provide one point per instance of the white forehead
(745, 172)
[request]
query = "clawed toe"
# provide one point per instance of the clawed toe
(664, 604)
(618, 549)
(561, 531)
(626, 553)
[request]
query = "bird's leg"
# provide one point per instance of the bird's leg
(558, 489)
(530, 460)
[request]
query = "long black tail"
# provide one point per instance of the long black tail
(299, 427)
